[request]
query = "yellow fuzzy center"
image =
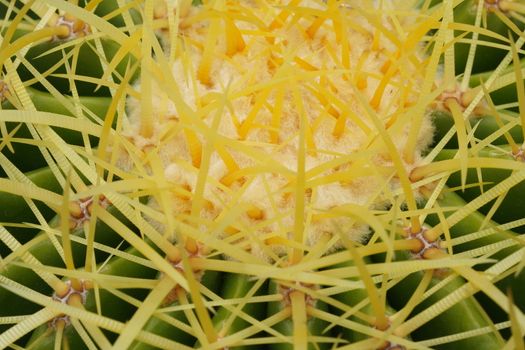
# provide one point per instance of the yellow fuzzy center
(284, 117)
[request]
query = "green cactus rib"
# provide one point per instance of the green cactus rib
(487, 55)
(466, 315)
(17, 209)
(314, 326)
(110, 302)
(489, 122)
(230, 319)
(360, 310)
(479, 181)
(488, 233)
(168, 330)
(40, 252)
(26, 155)
(87, 72)
(115, 307)
(484, 127)
(468, 308)
(162, 324)
(111, 305)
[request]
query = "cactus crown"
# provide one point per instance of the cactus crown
(295, 142)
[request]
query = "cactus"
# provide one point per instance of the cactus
(299, 174)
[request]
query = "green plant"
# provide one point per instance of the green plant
(262, 174)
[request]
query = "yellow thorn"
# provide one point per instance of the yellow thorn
(255, 213)
(191, 246)
(230, 230)
(228, 159)
(274, 61)
(194, 146)
(299, 317)
(375, 40)
(339, 127)
(234, 41)
(75, 210)
(205, 66)
(173, 255)
(362, 82)
(305, 65)
(384, 68)
(277, 240)
(314, 27)
(279, 20)
(184, 192)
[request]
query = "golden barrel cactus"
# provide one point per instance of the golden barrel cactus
(262, 174)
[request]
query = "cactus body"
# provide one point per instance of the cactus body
(297, 174)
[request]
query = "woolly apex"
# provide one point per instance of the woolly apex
(281, 118)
